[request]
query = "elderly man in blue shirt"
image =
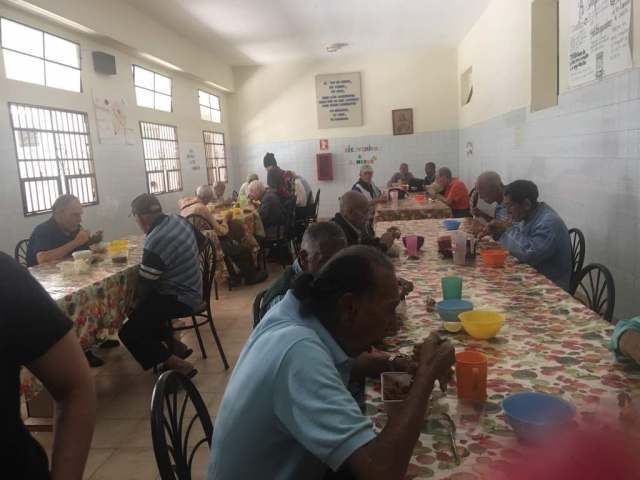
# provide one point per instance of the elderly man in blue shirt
(287, 413)
(538, 237)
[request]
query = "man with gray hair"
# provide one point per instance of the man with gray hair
(491, 190)
(320, 242)
(198, 206)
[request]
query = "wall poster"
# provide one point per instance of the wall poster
(338, 100)
(599, 39)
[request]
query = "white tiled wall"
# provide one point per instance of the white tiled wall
(584, 155)
(300, 156)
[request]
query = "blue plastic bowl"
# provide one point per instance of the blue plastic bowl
(451, 224)
(450, 309)
(534, 416)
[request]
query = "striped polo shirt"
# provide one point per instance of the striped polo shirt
(171, 258)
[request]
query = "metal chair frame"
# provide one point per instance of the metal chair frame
(596, 283)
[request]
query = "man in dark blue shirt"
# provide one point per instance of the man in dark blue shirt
(59, 236)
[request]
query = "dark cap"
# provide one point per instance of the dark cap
(145, 204)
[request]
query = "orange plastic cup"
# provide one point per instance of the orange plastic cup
(471, 376)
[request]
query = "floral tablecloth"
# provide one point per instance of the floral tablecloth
(549, 342)
(410, 209)
(97, 302)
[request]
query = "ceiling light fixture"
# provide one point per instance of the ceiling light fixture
(335, 47)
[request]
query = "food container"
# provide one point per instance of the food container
(450, 309)
(452, 327)
(67, 269)
(494, 257)
(482, 324)
(119, 251)
(395, 388)
(451, 224)
(82, 255)
(536, 416)
(81, 266)
(100, 247)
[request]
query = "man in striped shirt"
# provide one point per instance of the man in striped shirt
(169, 285)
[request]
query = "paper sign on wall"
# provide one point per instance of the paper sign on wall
(599, 39)
(338, 100)
(111, 119)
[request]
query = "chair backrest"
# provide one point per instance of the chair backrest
(317, 205)
(208, 268)
(199, 222)
(20, 253)
(173, 422)
(596, 289)
(257, 303)
(578, 251)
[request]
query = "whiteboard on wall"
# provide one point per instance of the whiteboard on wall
(338, 100)
(599, 39)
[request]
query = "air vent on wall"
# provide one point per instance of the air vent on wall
(104, 63)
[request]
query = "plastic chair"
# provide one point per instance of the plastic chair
(257, 304)
(578, 251)
(20, 252)
(596, 289)
(172, 425)
(203, 311)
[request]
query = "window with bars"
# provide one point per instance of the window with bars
(152, 89)
(209, 106)
(53, 150)
(161, 157)
(34, 56)
(215, 154)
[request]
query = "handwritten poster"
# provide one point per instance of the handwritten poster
(599, 39)
(111, 119)
(339, 101)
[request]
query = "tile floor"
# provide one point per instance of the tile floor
(121, 447)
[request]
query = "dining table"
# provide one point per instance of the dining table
(549, 342)
(97, 302)
(412, 207)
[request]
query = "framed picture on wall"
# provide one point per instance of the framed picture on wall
(402, 121)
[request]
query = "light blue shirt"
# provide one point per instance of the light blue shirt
(297, 269)
(501, 212)
(542, 242)
(621, 327)
(286, 413)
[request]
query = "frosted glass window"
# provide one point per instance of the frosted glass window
(153, 90)
(31, 55)
(209, 106)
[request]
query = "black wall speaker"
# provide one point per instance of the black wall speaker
(104, 63)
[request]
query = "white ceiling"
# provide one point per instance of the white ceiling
(247, 32)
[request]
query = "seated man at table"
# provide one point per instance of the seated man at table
(403, 176)
(320, 242)
(491, 191)
(231, 235)
(353, 220)
(218, 194)
(169, 285)
(61, 235)
(36, 334)
(429, 173)
(287, 412)
(454, 193)
(540, 239)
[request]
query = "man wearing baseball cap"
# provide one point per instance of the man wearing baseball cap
(169, 285)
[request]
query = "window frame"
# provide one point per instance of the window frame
(200, 105)
(211, 162)
(164, 170)
(60, 167)
(44, 57)
(154, 91)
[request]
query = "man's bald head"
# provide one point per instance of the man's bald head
(354, 206)
(219, 189)
(490, 187)
(205, 194)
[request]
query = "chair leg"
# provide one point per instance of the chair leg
(195, 327)
(217, 339)
(215, 288)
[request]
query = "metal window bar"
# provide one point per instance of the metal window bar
(161, 157)
(215, 154)
(54, 156)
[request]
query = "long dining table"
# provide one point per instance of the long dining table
(410, 208)
(549, 342)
